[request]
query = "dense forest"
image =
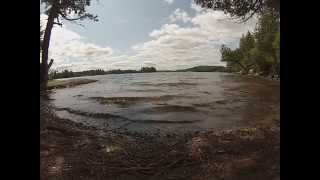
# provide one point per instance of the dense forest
(258, 51)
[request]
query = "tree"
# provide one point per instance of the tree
(276, 48)
(242, 9)
(41, 35)
(240, 58)
(276, 45)
(57, 10)
(259, 51)
(148, 69)
(266, 34)
(247, 43)
(233, 58)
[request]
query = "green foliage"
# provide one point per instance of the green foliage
(242, 9)
(276, 42)
(233, 58)
(69, 9)
(68, 74)
(276, 46)
(259, 51)
(204, 69)
(148, 69)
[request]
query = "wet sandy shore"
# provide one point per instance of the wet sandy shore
(70, 150)
(65, 83)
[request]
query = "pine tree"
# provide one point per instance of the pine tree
(241, 9)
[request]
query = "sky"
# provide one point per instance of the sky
(166, 34)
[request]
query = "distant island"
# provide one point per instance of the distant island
(69, 74)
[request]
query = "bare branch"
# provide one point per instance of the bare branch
(76, 23)
(64, 16)
(57, 23)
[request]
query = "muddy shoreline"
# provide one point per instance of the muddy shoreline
(66, 83)
(70, 150)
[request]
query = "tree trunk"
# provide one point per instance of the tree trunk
(242, 67)
(50, 64)
(45, 47)
(275, 65)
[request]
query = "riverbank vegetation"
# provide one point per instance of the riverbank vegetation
(258, 51)
(204, 69)
(68, 74)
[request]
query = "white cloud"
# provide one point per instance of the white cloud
(69, 49)
(196, 7)
(179, 15)
(167, 28)
(172, 46)
(169, 1)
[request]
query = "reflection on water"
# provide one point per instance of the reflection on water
(175, 101)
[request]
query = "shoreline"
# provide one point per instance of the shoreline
(71, 150)
(277, 79)
(76, 78)
(65, 83)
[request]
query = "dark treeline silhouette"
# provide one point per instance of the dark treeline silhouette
(69, 74)
(148, 69)
(204, 69)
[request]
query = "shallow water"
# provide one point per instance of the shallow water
(173, 101)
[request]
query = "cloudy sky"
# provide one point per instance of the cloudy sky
(166, 34)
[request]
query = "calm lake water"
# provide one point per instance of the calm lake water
(173, 101)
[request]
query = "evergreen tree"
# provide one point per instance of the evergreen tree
(247, 43)
(266, 32)
(259, 51)
(241, 9)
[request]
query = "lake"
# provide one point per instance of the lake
(170, 101)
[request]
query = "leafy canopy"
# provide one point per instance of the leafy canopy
(241, 9)
(70, 10)
(259, 51)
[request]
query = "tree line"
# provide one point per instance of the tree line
(258, 51)
(68, 74)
